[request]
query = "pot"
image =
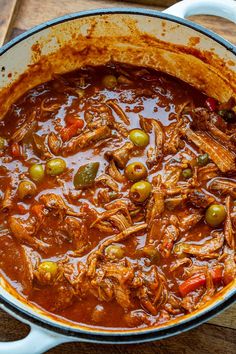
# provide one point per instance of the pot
(160, 40)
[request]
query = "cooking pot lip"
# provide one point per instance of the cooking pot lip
(117, 10)
(119, 336)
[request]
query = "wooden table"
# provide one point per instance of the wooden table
(216, 336)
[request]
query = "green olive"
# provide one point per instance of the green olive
(26, 189)
(114, 252)
(215, 214)
(3, 143)
(135, 171)
(109, 81)
(222, 112)
(48, 267)
(36, 172)
(140, 191)
(139, 137)
(203, 160)
(151, 252)
(187, 173)
(227, 114)
(55, 167)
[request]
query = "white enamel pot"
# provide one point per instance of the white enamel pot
(22, 54)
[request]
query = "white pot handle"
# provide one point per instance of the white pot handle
(37, 342)
(222, 8)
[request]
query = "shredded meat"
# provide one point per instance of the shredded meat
(41, 146)
(108, 181)
(200, 199)
(204, 250)
(180, 263)
(189, 221)
(54, 143)
(223, 186)
(56, 203)
(121, 114)
(23, 231)
(204, 120)
(152, 291)
(172, 177)
(86, 138)
(93, 257)
(222, 157)
(120, 221)
(25, 129)
(30, 260)
(119, 217)
(121, 155)
(228, 228)
(175, 202)
(156, 204)
(122, 235)
(174, 134)
(97, 116)
(115, 173)
(170, 235)
(154, 153)
(229, 266)
(207, 172)
(77, 233)
(121, 129)
(146, 124)
(7, 201)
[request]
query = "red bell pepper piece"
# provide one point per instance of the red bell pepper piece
(198, 280)
(211, 104)
(73, 125)
(216, 274)
(70, 120)
(15, 150)
(21, 209)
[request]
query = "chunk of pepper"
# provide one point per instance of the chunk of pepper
(86, 175)
(198, 280)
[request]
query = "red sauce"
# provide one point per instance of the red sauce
(142, 284)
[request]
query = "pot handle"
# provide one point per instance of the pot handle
(222, 8)
(36, 342)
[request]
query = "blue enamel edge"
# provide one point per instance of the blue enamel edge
(131, 11)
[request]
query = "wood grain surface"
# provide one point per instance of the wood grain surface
(219, 334)
(165, 3)
(221, 26)
(29, 16)
(8, 9)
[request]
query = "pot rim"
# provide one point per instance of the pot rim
(117, 10)
(106, 335)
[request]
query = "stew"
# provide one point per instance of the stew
(118, 193)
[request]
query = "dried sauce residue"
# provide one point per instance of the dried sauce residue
(193, 41)
(202, 69)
